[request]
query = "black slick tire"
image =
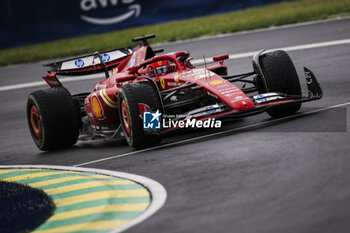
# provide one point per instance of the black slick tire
(129, 97)
(281, 76)
(53, 118)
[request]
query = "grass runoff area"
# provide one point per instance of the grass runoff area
(248, 19)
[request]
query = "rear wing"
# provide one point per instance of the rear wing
(91, 63)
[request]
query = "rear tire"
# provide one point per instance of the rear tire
(129, 97)
(53, 118)
(281, 76)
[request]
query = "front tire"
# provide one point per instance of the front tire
(281, 76)
(129, 98)
(52, 118)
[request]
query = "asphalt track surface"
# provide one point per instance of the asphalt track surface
(254, 174)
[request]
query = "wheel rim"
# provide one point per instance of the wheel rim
(35, 122)
(126, 119)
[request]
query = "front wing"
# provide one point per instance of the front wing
(263, 103)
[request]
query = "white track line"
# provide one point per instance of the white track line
(290, 48)
(210, 135)
(157, 191)
(42, 83)
(232, 56)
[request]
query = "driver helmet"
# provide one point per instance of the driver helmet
(159, 67)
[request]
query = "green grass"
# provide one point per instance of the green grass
(252, 18)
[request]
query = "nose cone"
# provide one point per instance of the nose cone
(227, 92)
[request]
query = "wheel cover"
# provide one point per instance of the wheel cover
(35, 122)
(126, 118)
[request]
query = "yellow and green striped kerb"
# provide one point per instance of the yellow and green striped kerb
(85, 201)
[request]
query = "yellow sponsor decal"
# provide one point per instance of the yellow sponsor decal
(162, 83)
(160, 63)
(96, 107)
(108, 98)
(216, 82)
(176, 78)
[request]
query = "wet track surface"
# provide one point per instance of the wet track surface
(255, 174)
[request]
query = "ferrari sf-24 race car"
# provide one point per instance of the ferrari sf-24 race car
(145, 86)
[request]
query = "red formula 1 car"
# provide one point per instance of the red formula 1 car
(149, 94)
